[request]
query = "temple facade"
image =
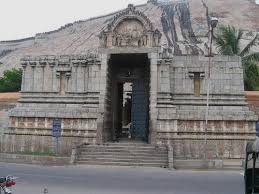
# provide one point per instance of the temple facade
(132, 88)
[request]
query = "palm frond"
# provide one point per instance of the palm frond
(228, 40)
(251, 57)
(252, 43)
(251, 75)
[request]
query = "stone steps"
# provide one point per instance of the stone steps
(114, 157)
(109, 163)
(123, 154)
(152, 152)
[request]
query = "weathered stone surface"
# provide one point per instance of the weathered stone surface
(83, 91)
(183, 25)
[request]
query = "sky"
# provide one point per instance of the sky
(24, 18)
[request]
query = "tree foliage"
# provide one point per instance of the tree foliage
(11, 81)
(228, 42)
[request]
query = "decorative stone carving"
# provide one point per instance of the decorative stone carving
(75, 63)
(43, 63)
(64, 60)
(103, 39)
(83, 63)
(52, 63)
(129, 33)
(24, 64)
(130, 28)
(33, 64)
(58, 74)
(68, 75)
(191, 75)
(157, 38)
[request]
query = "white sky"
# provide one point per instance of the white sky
(257, 1)
(25, 18)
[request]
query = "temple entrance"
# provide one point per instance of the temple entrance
(129, 79)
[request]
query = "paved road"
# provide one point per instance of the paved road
(123, 180)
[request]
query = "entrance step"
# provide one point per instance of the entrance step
(124, 154)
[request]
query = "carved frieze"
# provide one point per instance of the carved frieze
(130, 28)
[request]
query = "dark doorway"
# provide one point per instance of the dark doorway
(129, 96)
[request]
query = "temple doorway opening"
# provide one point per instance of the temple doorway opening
(129, 81)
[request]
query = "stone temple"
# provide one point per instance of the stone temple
(132, 87)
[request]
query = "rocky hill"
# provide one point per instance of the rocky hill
(184, 25)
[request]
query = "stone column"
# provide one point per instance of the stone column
(153, 98)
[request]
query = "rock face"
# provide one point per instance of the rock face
(184, 25)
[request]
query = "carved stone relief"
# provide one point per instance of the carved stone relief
(130, 28)
(129, 33)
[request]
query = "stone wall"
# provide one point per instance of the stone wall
(182, 114)
(7, 102)
(79, 93)
(65, 88)
(252, 98)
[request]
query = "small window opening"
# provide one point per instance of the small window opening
(197, 84)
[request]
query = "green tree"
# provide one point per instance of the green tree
(11, 81)
(228, 42)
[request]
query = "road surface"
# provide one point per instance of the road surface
(123, 180)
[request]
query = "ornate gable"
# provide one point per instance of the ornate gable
(130, 28)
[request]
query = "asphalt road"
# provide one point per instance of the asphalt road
(123, 180)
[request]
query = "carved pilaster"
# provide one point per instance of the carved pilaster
(42, 78)
(84, 66)
(164, 75)
(68, 76)
(75, 74)
(24, 65)
(33, 64)
(52, 64)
